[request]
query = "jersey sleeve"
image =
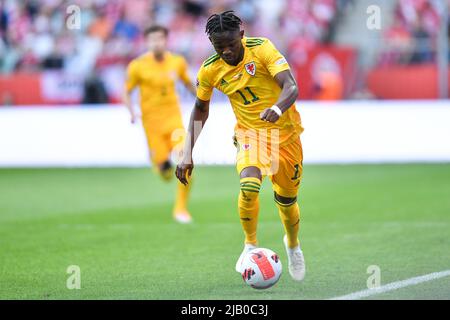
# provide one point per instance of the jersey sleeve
(132, 77)
(274, 61)
(203, 84)
(183, 72)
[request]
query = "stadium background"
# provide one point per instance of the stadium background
(370, 95)
(328, 43)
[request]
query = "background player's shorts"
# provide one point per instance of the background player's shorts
(161, 144)
(164, 133)
(283, 164)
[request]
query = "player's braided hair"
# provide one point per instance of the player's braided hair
(225, 21)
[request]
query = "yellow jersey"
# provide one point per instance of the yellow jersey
(156, 81)
(251, 88)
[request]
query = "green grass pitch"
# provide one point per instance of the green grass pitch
(116, 225)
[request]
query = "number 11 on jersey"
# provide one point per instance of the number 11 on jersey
(246, 101)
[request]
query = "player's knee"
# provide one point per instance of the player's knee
(284, 201)
(166, 170)
(251, 172)
(250, 187)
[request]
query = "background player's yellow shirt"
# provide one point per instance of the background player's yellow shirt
(156, 81)
(251, 87)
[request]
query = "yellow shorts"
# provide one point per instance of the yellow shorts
(161, 144)
(283, 164)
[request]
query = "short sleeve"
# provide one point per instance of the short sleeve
(183, 72)
(204, 86)
(132, 76)
(274, 61)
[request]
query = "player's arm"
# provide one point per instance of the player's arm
(198, 118)
(288, 96)
(190, 86)
(187, 82)
(186, 79)
(129, 104)
(279, 69)
(130, 84)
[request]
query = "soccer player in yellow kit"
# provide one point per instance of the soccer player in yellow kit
(262, 91)
(155, 74)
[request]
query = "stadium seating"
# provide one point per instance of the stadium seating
(34, 35)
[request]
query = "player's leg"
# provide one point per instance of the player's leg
(286, 183)
(248, 202)
(289, 212)
(160, 147)
(165, 169)
(159, 154)
(248, 205)
(180, 210)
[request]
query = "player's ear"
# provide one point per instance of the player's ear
(241, 33)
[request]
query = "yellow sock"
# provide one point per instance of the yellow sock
(290, 216)
(248, 204)
(182, 196)
(167, 175)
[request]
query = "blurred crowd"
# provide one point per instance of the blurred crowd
(412, 37)
(93, 40)
(36, 35)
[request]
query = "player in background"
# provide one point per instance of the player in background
(262, 92)
(155, 74)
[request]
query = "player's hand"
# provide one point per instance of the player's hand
(134, 118)
(269, 115)
(184, 170)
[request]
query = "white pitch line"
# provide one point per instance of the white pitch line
(393, 286)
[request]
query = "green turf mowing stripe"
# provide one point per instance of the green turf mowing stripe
(117, 223)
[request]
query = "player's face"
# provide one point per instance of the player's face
(228, 46)
(157, 41)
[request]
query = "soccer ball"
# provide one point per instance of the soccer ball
(261, 268)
